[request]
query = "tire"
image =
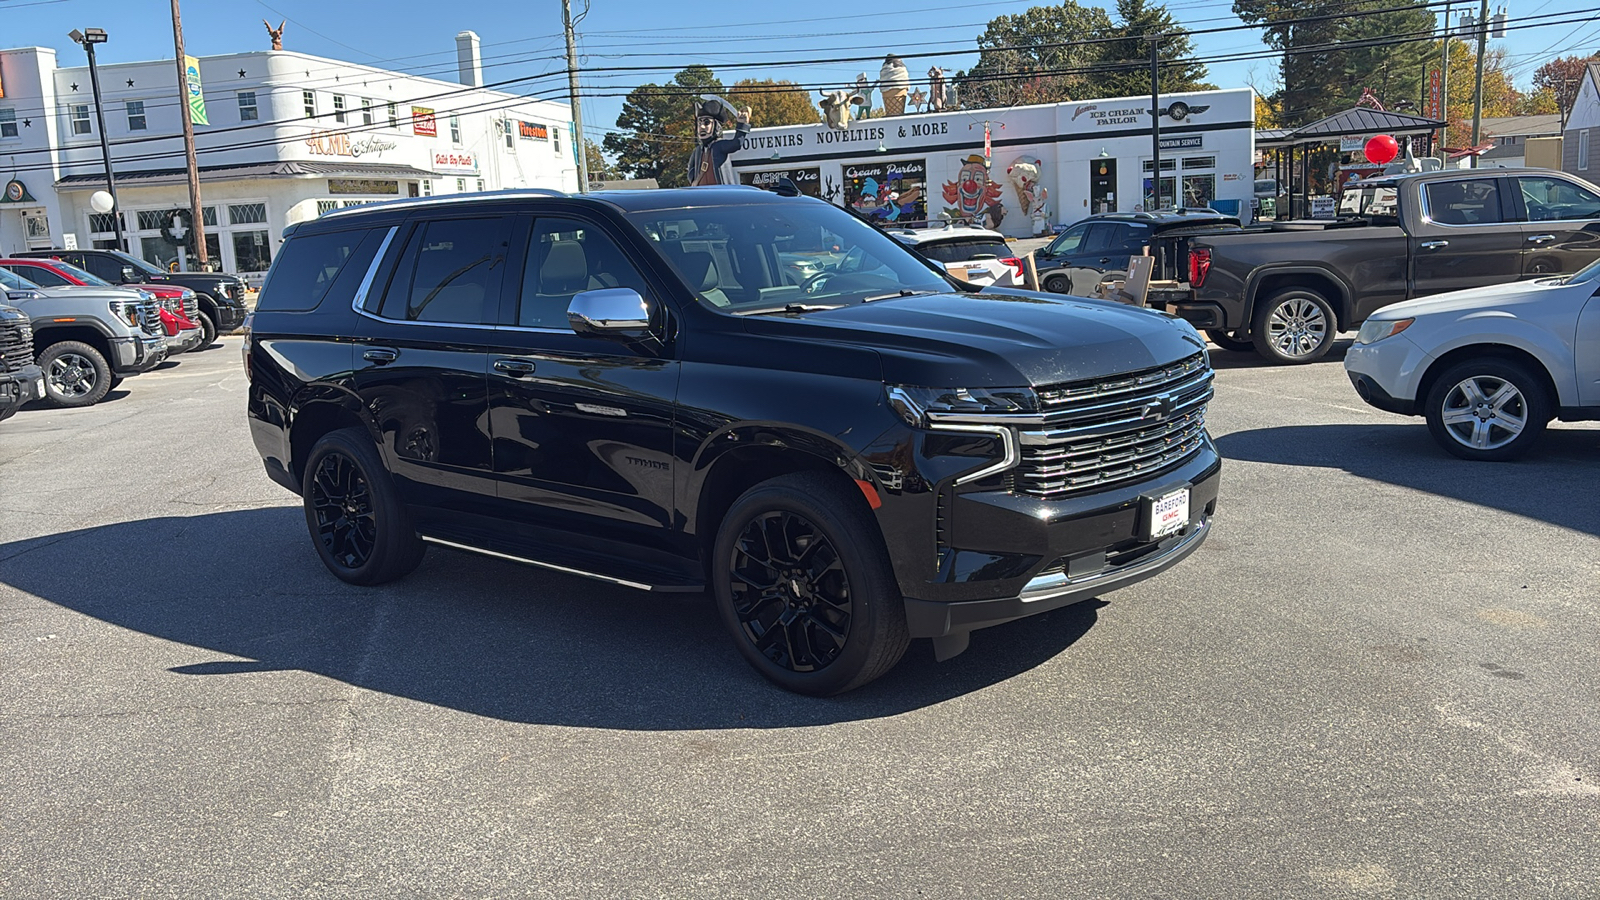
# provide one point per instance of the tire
(208, 330)
(1227, 341)
(8, 413)
(1058, 284)
(830, 579)
(1488, 409)
(75, 374)
(1294, 326)
(358, 524)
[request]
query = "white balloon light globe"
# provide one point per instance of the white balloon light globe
(101, 202)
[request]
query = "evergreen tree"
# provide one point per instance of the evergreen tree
(657, 127)
(1125, 62)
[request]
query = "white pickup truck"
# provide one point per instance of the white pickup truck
(1489, 367)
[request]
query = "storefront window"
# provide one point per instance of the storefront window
(1167, 197)
(250, 251)
(247, 213)
(1199, 190)
(170, 255)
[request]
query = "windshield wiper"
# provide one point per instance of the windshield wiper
(788, 308)
(900, 293)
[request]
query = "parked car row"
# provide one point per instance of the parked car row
(69, 335)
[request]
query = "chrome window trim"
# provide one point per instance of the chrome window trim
(372, 270)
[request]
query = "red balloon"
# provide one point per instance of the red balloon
(1381, 149)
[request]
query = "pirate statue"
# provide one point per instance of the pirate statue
(709, 160)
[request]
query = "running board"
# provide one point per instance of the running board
(565, 570)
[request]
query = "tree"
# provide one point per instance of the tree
(1500, 96)
(774, 102)
(1266, 116)
(1038, 55)
(657, 127)
(1330, 55)
(1562, 77)
(599, 167)
(1124, 64)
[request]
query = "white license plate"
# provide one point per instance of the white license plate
(1167, 514)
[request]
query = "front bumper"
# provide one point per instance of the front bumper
(132, 355)
(22, 386)
(1387, 373)
(231, 311)
(1038, 555)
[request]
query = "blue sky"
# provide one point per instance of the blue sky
(419, 36)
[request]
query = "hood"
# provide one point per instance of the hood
(91, 292)
(1480, 299)
(1001, 338)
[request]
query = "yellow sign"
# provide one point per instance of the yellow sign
(197, 100)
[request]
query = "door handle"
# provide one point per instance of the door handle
(1105, 259)
(1541, 238)
(381, 355)
(516, 368)
(1434, 245)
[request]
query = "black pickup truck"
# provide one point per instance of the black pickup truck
(220, 295)
(1286, 289)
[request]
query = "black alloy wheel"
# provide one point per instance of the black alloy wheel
(790, 592)
(805, 586)
(75, 374)
(358, 524)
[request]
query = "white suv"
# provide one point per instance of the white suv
(1488, 367)
(975, 255)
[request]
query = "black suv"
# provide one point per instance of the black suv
(634, 386)
(1096, 249)
(221, 296)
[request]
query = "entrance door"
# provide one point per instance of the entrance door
(1102, 185)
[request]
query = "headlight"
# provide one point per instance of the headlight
(186, 295)
(127, 311)
(1375, 330)
(146, 295)
(915, 403)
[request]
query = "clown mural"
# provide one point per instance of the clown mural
(709, 161)
(973, 196)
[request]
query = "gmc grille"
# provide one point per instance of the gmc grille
(1103, 433)
(191, 309)
(150, 317)
(16, 345)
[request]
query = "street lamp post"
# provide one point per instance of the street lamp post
(87, 38)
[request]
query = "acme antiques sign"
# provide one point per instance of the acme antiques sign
(338, 143)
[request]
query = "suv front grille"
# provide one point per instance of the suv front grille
(16, 345)
(1121, 429)
(191, 309)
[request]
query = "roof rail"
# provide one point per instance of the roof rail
(409, 202)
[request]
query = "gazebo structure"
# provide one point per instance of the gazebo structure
(1358, 121)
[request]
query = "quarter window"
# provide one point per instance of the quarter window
(565, 257)
(308, 267)
(136, 120)
(80, 118)
(1474, 202)
(450, 272)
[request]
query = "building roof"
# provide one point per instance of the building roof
(246, 171)
(1522, 126)
(1352, 122)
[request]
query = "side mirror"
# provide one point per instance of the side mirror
(610, 312)
(127, 274)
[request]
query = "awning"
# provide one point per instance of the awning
(1355, 122)
(246, 171)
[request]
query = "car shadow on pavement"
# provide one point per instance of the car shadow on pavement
(475, 634)
(1249, 359)
(1544, 485)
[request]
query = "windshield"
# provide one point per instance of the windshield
(79, 274)
(11, 281)
(138, 264)
(786, 256)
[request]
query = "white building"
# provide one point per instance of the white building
(1580, 145)
(1093, 156)
(289, 136)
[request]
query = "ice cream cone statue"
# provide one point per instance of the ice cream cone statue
(894, 83)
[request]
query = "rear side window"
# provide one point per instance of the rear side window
(313, 267)
(1474, 202)
(961, 251)
(450, 273)
(106, 267)
(40, 275)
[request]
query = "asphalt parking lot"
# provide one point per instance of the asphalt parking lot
(1377, 678)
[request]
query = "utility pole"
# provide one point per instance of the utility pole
(582, 149)
(1477, 95)
(1444, 84)
(197, 218)
(1155, 120)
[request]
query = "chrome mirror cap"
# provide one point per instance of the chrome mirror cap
(610, 312)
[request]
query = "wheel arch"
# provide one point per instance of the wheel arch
(46, 335)
(1268, 281)
(316, 415)
(1467, 352)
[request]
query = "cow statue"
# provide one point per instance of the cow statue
(836, 107)
(1032, 198)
